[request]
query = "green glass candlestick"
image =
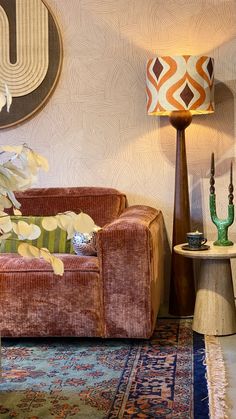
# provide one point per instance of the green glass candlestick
(222, 225)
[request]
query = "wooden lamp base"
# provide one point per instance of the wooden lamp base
(182, 287)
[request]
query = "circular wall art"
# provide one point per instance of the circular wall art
(30, 58)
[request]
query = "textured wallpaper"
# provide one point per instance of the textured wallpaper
(95, 131)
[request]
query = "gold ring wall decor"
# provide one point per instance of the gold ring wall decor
(30, 57)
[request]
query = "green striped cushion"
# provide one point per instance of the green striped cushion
(55, 241)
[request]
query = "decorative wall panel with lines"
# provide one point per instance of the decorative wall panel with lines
(95, 129)
(30, 56)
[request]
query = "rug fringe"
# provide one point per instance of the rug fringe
(216, 378)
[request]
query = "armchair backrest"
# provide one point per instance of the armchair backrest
(102, 204)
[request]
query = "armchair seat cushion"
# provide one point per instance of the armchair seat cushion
(15, 263)
(55, 241)
(35, 302)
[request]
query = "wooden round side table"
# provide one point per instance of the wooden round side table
(215, 312)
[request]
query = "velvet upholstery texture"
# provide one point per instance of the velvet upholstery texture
(132, 271)
(102, 204)
(116, 294)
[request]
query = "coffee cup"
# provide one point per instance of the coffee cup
(195, 239)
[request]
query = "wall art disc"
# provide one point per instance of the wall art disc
(30, 58)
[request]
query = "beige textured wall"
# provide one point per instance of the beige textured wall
(95, 131)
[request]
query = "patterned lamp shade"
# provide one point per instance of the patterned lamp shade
(180, 83)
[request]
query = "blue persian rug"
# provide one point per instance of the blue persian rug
(163, 377)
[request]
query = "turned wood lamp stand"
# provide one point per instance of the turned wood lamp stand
(182, 289)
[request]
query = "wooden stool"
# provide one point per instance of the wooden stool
(215, 312)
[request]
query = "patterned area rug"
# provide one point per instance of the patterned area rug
(92, 378)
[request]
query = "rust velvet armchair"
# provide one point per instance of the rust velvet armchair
(115, 294)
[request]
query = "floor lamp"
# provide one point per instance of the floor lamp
(180, 86)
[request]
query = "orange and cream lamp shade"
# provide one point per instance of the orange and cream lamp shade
(178, 83)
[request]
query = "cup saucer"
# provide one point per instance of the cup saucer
(203, 247)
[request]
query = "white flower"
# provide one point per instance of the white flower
(36, 161)
(5, 98)
(28, 251)
(8, 97)
(83, 223)
(26, 231)
(71, 223)
(3, 101)
(5, 202)
(17, 173)
(17, 149)
(5, 223)
(49, 223)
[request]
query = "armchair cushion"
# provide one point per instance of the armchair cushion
(35, 302)
(102, 204)
(55, 241)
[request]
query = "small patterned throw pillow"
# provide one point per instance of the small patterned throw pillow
(55, 241)
(84, 244)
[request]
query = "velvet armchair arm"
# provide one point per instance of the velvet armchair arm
(130, 251)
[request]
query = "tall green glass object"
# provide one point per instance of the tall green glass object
(221, 225)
